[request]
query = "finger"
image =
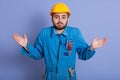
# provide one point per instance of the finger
(104, 40)
(16, 37)
(95, 39)
(15, 34)
(25, 36)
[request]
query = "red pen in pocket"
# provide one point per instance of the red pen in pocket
(69, 46)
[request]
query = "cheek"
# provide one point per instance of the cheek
(65, 21)
(55, 20)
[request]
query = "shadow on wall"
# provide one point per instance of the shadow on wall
(36, 23)
(34, 69)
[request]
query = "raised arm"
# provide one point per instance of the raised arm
(22, 41)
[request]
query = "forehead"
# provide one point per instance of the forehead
(60, 14)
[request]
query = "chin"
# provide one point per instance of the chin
(60, 28)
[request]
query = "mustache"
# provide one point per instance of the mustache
(59, 23)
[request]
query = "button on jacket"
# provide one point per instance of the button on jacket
(59, 52)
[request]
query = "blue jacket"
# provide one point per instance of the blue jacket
(59, 52)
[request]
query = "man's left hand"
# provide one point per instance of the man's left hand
(96, 43)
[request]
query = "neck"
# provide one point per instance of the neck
(60, 31)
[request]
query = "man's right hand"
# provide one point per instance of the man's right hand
(21, 40)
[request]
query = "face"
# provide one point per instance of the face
(60, 20)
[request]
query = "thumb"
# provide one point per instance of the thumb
(96, 38)
(25, 37)
(105, 40)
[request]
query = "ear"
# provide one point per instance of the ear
(52, 19)
(68, 19)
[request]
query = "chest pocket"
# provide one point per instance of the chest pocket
(68, 46)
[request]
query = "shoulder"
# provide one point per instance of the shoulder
(73, 29)
(44, 31)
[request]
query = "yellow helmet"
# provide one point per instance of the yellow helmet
(60, 8)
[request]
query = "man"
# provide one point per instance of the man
(58, 45)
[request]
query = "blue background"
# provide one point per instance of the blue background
(93, 17)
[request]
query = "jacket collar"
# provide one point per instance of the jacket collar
(54, 32)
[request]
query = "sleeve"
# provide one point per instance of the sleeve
(36, 51)
(82, 48)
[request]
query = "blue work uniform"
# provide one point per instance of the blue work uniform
(59, 58)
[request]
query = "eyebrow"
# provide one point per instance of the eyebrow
(63, 15)
(58, 15)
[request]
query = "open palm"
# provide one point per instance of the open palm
(96, 43)
(21, 40)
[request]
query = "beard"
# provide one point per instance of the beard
(60, 26)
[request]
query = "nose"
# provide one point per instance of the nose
(60, 19)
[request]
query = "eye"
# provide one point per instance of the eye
(56, 17)
(63, 17)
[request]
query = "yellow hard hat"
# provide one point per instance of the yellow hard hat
(60, 8)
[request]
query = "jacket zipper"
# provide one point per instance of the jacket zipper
(58, 57)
